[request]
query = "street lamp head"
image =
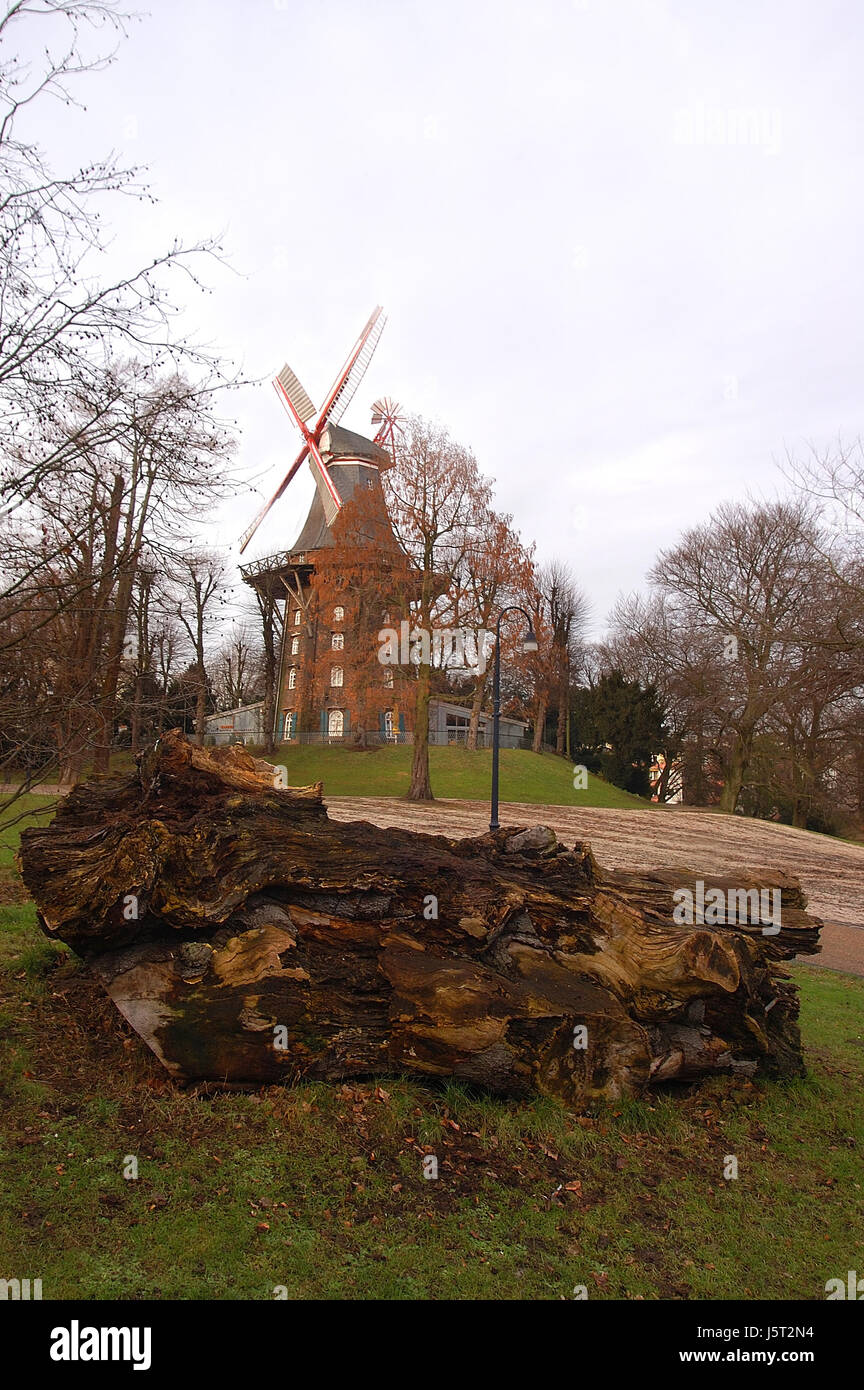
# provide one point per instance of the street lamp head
(529, 641)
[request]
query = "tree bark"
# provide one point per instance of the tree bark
(421, 785)
(539, 725)
(739, 761)
(135, 721)
(269, 617)
(248, 938)
(201, 704)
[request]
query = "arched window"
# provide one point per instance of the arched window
(335, 723)
(338, 614)
(336, 675)
(292, 678)
(295, 645)
(337, 641)
(388, 723)
(290, 723)
(297, 616)
(388, 678)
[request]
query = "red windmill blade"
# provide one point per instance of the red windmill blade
(299, 405)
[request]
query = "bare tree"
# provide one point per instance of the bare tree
(58, 319)
(743, 580)
(494, 572)
(560, 611)
(439, 501)
(80, 546)
(74, 497)
(238, 667)
(199, 578)
(270, 627)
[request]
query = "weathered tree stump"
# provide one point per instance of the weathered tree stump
(249, 938)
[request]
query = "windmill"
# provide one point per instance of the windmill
(324, 432)
(387, 415)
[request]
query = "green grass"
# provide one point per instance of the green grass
(536, 778)
(320, 1190)
(14, 816)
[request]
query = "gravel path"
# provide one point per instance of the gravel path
(831, 871)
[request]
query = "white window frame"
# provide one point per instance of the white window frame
(338, 614)
(295, 645)
(292, 678)
(335, 723)
(337, 677)
(337, 641)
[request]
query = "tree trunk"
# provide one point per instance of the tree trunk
(137, 702)
(201, 705)
(539, 725)
(80, 724)
(563, 712)
(267, 607)
(736, 767)
(248, 938)
(421, 786)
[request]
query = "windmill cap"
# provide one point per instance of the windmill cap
(337, 443)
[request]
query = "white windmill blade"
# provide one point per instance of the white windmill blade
(351, 375)
(327, 490)
(297, 395)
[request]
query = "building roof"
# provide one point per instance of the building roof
(240, 709)
(337, 443)
(466, 711)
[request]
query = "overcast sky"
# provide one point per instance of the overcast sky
(618, 241)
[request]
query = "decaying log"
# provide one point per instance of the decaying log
(249, 938)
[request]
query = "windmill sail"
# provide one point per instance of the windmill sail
(298, 403)
(293, 389)
(351, 375)
(327, 490)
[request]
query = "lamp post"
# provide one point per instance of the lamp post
(529, 644)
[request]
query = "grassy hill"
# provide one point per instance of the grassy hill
(537, 778)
